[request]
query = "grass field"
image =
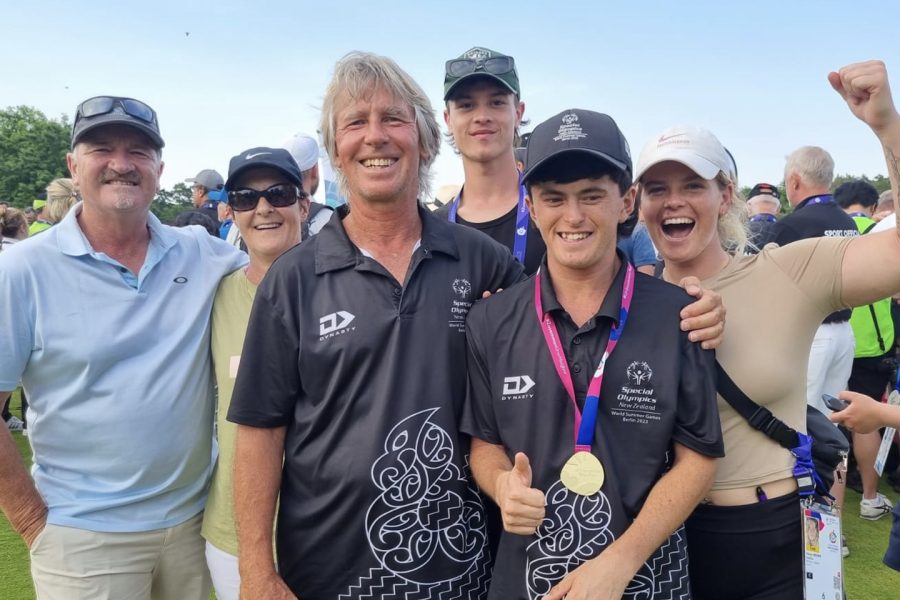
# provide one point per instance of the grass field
(867, 578)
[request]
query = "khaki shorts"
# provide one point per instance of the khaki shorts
(164, 564)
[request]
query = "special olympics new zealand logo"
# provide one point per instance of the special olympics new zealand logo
(569, 118)
(462, 287)
(639, 372)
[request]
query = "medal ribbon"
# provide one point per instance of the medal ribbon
(585, 421)
(521, 240)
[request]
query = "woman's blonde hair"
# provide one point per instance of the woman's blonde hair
(732, 226)
(61, 196)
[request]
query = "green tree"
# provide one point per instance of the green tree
(168, 204)
(880, 182)
(32, 152)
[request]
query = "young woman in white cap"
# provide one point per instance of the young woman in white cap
(745, 540)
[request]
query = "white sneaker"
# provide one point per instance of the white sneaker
(14, 424)
(875, 508)
(845, 549)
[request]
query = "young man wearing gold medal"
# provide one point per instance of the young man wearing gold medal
(593, 417)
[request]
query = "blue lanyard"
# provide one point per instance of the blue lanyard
(763, 218)
(585, 421)
(521, 239)
(858, 214)
(823, 199)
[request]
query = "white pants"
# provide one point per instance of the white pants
(830, 363)
(223, 568)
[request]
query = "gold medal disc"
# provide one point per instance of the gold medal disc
(583, 474)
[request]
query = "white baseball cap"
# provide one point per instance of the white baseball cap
(695, 148)
(304, 149)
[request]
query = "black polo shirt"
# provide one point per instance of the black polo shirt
(368, 375)
(825, 219)
(503, 230)
(659, 388)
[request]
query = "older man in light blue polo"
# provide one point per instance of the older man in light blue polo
(106, 322)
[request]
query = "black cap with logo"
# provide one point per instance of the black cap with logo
(764, 189)
(275, 158)
(577, 130)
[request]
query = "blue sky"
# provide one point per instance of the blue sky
(228, 75)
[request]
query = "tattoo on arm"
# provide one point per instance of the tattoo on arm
(893, 164)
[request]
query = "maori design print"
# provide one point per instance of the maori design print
(426, 528)
(576, 529)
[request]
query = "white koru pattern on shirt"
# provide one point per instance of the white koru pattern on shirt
(576, 529)
(427, 527)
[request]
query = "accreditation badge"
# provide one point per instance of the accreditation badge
(822, 562)
(887, 439)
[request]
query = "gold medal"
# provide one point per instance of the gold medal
(583, 474)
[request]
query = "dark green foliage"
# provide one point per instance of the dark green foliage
(32, 153)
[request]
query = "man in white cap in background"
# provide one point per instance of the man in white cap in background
(305, 151)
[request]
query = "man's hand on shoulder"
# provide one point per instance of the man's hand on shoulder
(705, 318)
(521, 505)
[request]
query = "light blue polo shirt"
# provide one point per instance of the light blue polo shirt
(117, 372)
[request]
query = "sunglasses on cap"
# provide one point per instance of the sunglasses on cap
(278, 196)
(497, 65)
(103, 105)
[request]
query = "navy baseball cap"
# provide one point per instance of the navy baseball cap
(577, 130)
(275, 158)
(115, 110)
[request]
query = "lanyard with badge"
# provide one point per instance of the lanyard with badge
(823, 575)
(583, 473)
(521, 240)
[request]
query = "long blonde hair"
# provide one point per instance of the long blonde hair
(733, 225)
(61, 196)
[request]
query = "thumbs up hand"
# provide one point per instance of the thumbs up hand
(521, 505)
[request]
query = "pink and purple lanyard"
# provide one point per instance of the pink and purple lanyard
(585, 421)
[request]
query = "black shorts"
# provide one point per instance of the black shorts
(869, 376)
(750, 552)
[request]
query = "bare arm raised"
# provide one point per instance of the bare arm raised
(871, 267)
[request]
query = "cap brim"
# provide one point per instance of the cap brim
(530, 169)
(115, 119)
(703, 167)
(469, 76)
(292, 177)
